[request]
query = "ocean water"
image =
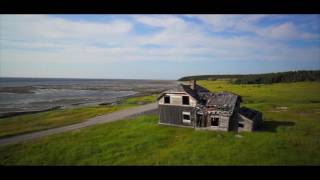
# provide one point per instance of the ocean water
(28, 94)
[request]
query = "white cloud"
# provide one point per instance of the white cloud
(231, 22)
(285, 31)
(47, 28)
(165, 21)
(247, 23)
(42, 38)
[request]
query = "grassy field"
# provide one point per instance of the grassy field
(39, 121)
(290, 136)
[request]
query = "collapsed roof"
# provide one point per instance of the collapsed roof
(249, 113)
(222, 100)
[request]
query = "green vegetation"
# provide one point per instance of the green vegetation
(45, 120)
(280, 94)
(290, 136)
(140, 100)
(269, 78)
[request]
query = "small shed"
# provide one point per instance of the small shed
(249, 119)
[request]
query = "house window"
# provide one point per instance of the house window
(167, 99)
(214, 121)
(186, 118)
(240, 125)
(185, 100)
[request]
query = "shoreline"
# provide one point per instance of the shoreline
(16, 113)
(115, 102)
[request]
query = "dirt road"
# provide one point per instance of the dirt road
(118, 115)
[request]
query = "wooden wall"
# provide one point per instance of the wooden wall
(234, 119)
(176, 100)
(223, 121)
(248, 124)
(170, 114)
(258, 121)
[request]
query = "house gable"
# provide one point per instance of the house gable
(176, 99)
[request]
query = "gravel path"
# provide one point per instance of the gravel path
(118, 115)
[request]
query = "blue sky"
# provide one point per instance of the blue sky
(156, 46)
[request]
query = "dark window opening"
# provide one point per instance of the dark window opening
(185, 100)
(167, 99)
(214, 121)
(186, 117)
(240, 125)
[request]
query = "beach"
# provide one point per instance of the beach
(29, 95)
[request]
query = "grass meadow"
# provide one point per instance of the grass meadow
(45, 120)
(290, 135)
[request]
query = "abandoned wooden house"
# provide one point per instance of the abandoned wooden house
(194, 106)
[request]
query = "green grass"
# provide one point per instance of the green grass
(40, 121)
(279, 93)
(143, 142)
(140, 100)
(288, 137)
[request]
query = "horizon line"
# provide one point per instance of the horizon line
(150, 79)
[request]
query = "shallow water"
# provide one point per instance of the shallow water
(25, 94)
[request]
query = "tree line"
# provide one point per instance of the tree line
(268, 78)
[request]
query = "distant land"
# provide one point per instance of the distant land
(267, 78)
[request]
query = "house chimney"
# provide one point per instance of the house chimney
(193, 84)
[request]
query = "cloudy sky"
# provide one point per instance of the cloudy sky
(156, 46)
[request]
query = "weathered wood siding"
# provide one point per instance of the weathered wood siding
(258, 121)
(234, 119)
(233, 123)
(223, 121)
(251, 121)
(176, 100)
(247, 124)
(170, 114)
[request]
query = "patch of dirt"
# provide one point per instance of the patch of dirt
(284, 108)
(279, 109)
(274, 111)
(238, 136)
